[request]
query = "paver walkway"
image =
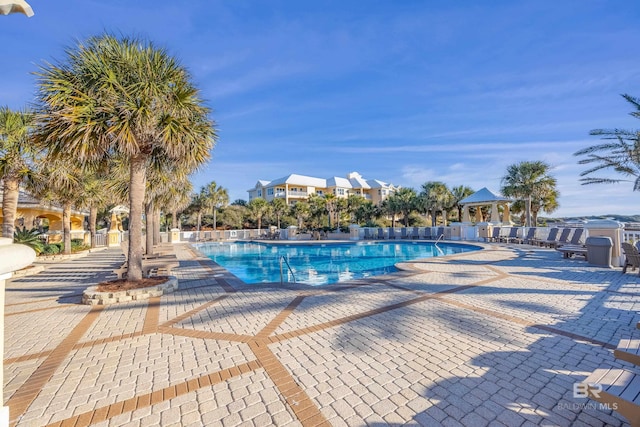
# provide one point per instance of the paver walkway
(492, 337)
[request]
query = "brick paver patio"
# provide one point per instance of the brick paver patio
(492, 337)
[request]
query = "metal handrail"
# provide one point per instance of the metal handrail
(282, 258)
(440, 237)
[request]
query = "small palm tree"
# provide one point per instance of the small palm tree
(621, 155)
(302, 211)
(215, 197)
(29, 238)
(279, 207)
(257, 209)
(405, 199)
(528, 181)
(459, 193)
(436, 197)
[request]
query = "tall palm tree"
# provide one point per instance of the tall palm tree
(257, 209)
(123, 97)
(621, 155)
(17, 156)
(391, 207)
(528, 180)
(215, 198)
(340, 205)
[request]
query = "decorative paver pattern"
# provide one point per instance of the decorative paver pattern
(493, 337)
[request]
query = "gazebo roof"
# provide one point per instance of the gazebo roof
(484, 195)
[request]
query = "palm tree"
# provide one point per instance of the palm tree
(257, 209)
(366, 213)
(620, 155)
(17, 156)
(330, 206)
(123, 98)
(340, 205)
(302, 211)
(279, 207)
(459, 193)
(354, 201)
(60, 180)
(528, 181)
(436, 197)
(405, 200)
(214, 199)
(391, 208)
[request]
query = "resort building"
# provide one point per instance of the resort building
(295, 187)
(33, 213)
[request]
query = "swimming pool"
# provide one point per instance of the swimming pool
(320, 264)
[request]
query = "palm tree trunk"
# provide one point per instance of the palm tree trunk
(137, 181)
(93, 217)
(157, 239)
(444, 217)
(528, 211)
(198, 225)
(215, 220)
(10, 194)
(148, 216)
(174, 219)
(66, 227)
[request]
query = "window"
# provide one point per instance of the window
(259, 193)
(319, 192)
(269, 191)
(340, 191)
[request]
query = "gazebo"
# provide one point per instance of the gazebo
(484, 197)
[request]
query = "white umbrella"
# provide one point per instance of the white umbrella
(15, 6)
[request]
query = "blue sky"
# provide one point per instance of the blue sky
(401, 91)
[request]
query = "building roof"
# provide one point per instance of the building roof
(336, 181)
(484, 195)
(300, 180)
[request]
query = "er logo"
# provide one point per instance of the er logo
(581, 390)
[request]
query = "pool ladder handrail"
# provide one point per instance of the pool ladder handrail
(440, 237)
(282, 258)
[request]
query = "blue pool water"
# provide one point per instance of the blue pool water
(321, 264)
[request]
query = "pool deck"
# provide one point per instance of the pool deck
(491, 337)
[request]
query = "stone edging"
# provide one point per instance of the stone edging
(91, 297)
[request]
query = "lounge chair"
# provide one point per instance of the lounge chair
(404, 233)
(512, 236)
(576, 238)
(495, 235)
(553, 233)
(562, 240)
(529, 238)
(380, 233)
(392, 233)
(367, 234)
(427, 233)
(415, 234)
(632, 257)
(440, 233)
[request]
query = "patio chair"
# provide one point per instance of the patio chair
(562, 240)
(632, 257)
(495, 235)
(440, 233)
(512, 236)
(380, 234)
(392, 233)
(404, 233)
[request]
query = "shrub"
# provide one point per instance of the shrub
(29, 238)
(51, 249)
